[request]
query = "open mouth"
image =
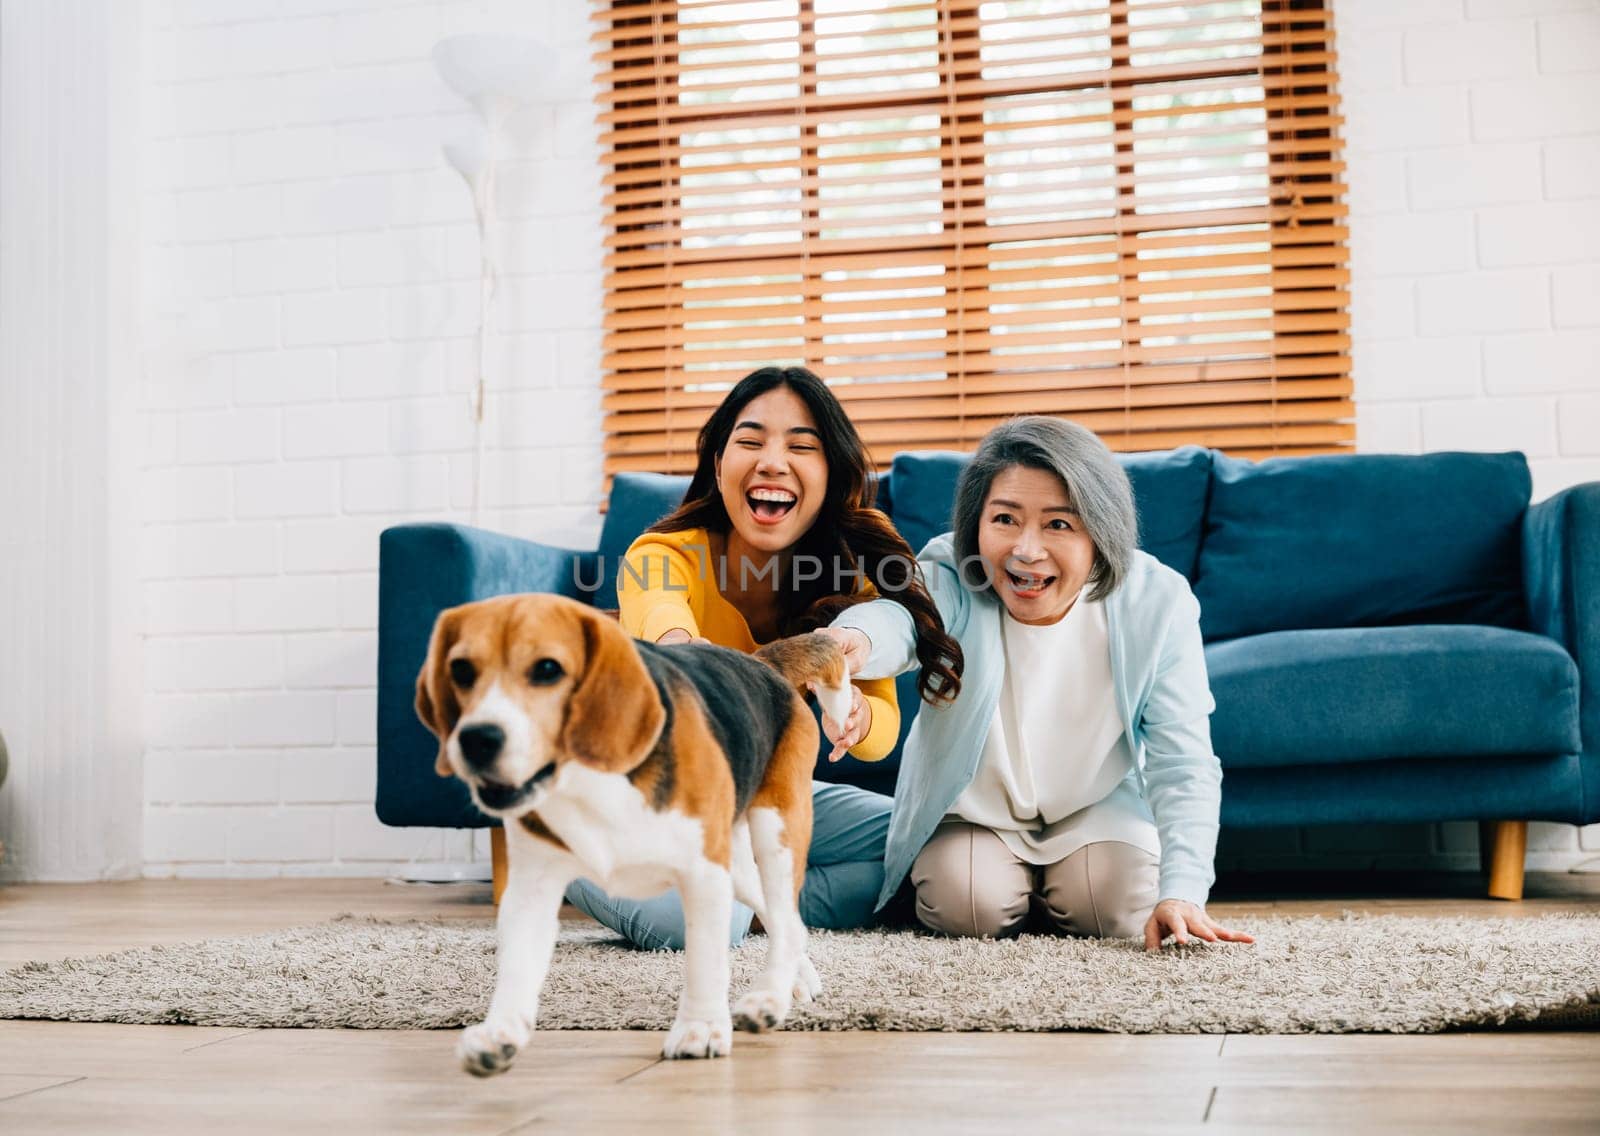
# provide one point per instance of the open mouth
(1028, 586)
(501, 795)
(769, 506)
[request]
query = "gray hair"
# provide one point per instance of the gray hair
(1096, 485)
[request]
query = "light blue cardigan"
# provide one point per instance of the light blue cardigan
(1158, 670)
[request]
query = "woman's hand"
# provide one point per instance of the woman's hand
(855, 726)
(1182, 919)
(678, 635)
(853, 642)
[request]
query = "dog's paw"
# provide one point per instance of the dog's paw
(695, 1037)
(807, 986)
(490, 1047)
(760, 1010)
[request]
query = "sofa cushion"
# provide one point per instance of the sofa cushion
(1363, 540)
(1294, 698)
(1424, 789)
(1169, 491)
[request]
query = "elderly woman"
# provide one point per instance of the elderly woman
(1073, 773)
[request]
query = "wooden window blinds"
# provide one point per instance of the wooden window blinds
(1127, 213)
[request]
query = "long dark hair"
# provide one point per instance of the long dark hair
(847, 531)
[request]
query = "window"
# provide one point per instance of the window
(1126, 213)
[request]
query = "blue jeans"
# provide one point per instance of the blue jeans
(844, 872)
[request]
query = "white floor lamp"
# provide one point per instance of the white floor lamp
(501, 76)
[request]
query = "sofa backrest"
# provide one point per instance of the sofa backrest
(1282, 544)
(637, 501)
(1169, 491)
(1362, 540)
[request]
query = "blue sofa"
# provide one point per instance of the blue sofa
(1389, 638)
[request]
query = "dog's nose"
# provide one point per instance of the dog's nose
(480, 744)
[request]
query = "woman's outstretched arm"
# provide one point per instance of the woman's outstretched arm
(1183, 783)
(889, 629)
(1183, 779)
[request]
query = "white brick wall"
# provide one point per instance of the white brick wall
(1473, 142)
(309, 298)
(1485, 252)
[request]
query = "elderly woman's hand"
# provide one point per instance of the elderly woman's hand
(1182, 919)
(853, 642)
(852, 729)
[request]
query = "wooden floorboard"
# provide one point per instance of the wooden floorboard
(58, 1077)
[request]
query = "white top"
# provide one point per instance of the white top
(1056, 771)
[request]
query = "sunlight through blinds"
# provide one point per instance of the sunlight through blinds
(1130, 214)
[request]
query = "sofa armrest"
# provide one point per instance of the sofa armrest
(423, 569)
(1561, 574)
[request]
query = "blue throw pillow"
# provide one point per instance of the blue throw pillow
(1169, 491)
(882, 499)
(924, 487)
(1363, 540)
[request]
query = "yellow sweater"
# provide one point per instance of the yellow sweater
(664, 583)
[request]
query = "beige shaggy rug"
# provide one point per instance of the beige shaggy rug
(1383, 973)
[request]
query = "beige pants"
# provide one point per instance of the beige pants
(969, 883)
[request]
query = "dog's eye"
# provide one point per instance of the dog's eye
(463, 673)
(544, 672)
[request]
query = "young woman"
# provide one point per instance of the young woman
(1074, 774)
(775, 535)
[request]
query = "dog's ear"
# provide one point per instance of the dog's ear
(436, 695)
(614, 714)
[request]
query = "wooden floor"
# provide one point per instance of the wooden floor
(63, 1077)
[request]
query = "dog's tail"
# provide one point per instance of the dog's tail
(816, 663)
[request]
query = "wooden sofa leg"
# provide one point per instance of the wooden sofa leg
(1507, 848)
(497, 856)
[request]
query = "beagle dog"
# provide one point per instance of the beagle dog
(641, 768)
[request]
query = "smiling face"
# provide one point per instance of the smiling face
(773, 474)
(1033, 544)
